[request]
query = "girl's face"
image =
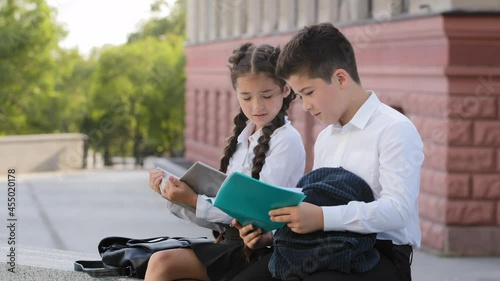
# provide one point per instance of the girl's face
(260, 98)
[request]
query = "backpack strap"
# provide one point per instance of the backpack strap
(98, 269)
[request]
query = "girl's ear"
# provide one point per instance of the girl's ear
(287, 91)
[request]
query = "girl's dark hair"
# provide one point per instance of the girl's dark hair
(255, 59)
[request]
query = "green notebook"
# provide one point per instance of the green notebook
(249, 200)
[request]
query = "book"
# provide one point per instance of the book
(249, 200)
(202, 178)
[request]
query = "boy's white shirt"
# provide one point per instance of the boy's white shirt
(383, 147)
(285, 163)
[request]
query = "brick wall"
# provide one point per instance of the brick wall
(442, 71)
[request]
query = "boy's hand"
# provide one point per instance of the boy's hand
(254, 239)
(177, 191)
(155, 177)
(304, 218)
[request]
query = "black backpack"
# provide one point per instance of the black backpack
(122, 256)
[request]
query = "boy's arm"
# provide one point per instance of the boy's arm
(304, 218)
(400, 161)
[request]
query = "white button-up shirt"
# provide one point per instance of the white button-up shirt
(284, 166)
(383, 147)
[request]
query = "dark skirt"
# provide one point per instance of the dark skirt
(225, 260)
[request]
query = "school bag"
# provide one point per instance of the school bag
(123, 256)
(296, 256)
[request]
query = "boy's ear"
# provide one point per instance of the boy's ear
(287, 90)
(341, 77)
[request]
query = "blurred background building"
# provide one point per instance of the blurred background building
(436, 61)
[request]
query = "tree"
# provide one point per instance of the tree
(173, 24)
(165, 119)
(128, 99)
(27, 94)
(139, 97)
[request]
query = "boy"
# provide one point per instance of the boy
(363, 136)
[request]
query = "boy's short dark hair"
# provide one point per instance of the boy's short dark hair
(317, 51)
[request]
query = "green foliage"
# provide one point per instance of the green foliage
(164, 115)
(128, 99)
(29, 35)
(73, 78)
(139, 96)
(160, 28)
(138, 101)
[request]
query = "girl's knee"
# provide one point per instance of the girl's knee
(161, 259)
(164, 255)
(156, 266)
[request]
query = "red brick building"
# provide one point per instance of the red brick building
(436, 61)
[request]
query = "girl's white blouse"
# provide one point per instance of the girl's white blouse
(284, 166)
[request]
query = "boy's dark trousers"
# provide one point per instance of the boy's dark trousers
(394, 265)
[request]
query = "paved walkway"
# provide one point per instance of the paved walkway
(75, 210)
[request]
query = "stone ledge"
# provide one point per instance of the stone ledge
(42, 137)
(47, 264)
(42, 153)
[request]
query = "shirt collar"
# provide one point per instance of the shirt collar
(245, 134)
(364, 113)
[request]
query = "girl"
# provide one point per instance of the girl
(264, 145)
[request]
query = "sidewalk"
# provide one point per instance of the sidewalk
(427, 267)
(74, 210)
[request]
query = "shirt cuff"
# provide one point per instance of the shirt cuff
(169, 204)
(179, 211)
(331, 219)
(172, 207)
(203, 204)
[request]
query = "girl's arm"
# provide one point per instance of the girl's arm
(185, 214)
(205, 210)
(178, 191)
(285, 162)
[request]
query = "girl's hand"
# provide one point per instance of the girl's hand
(155, 177)
(177, 191)
(254, 239)
(304, 218)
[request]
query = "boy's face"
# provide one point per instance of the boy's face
(324, 101)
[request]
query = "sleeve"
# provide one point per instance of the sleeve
(285, 161)
(206, 211)
(400, 161)
(182, 213)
